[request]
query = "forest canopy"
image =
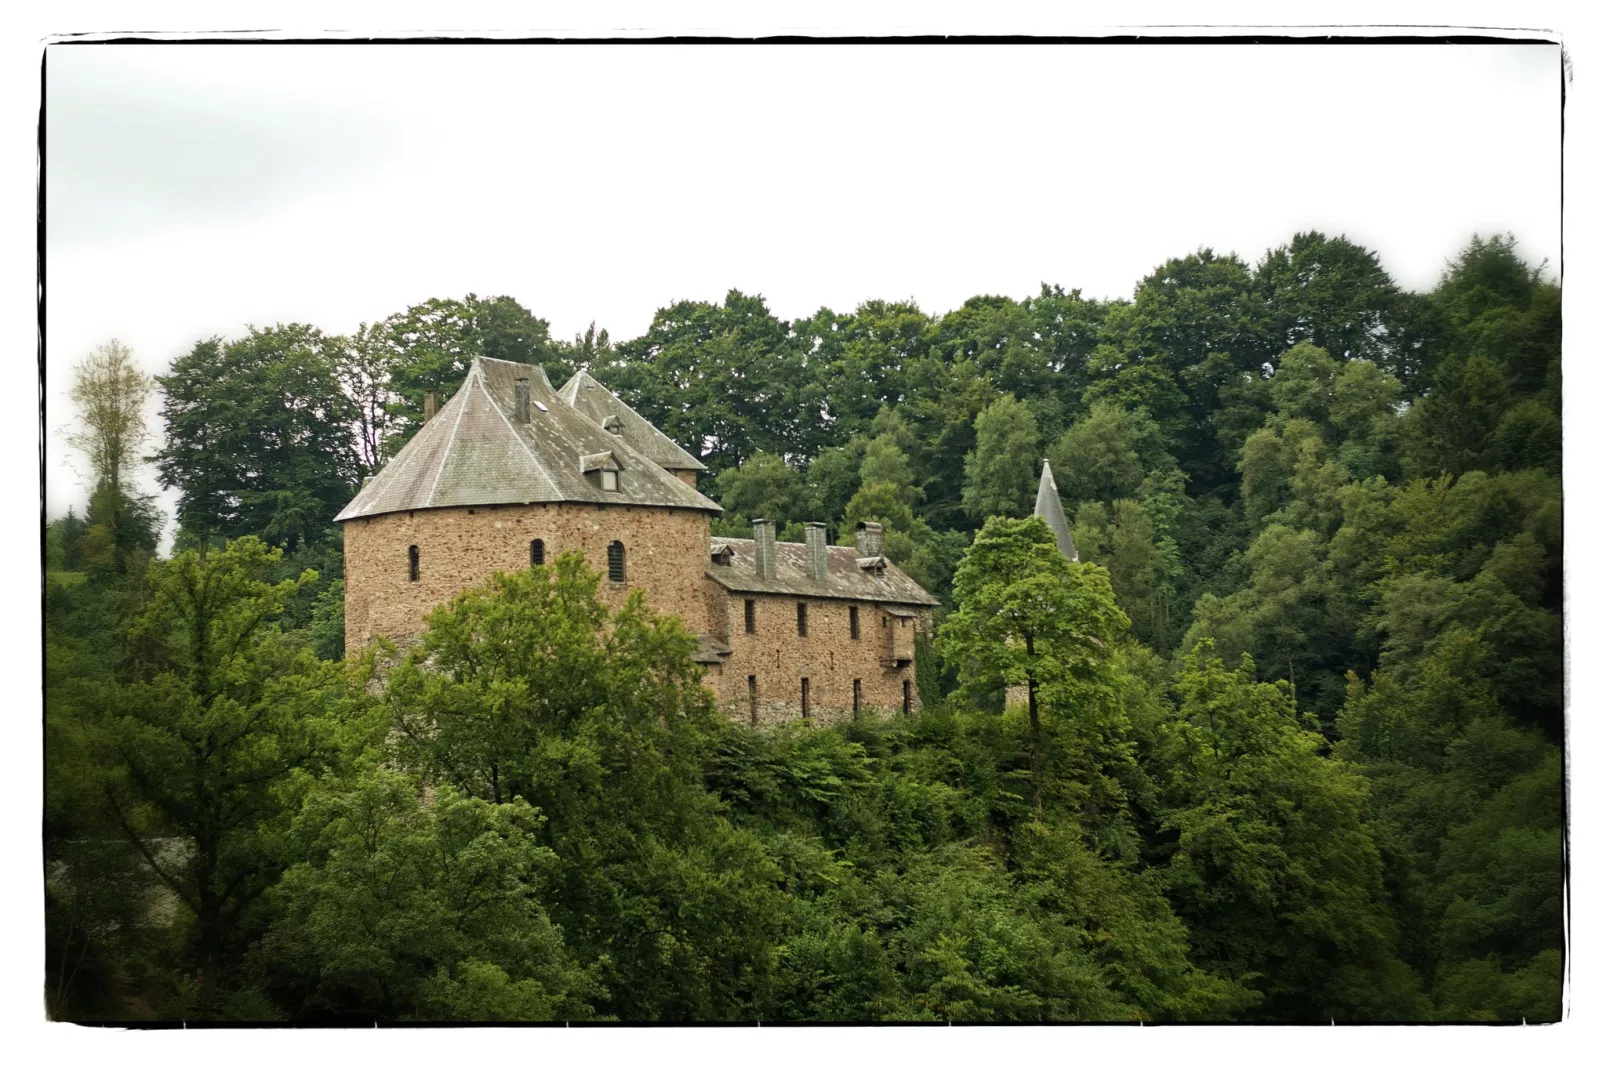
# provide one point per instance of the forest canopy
(1288, 746)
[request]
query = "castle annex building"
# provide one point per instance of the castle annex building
(510, 473)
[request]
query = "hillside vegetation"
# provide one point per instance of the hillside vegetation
(1290, 749)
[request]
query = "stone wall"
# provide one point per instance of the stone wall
(666, 553)
(779, 659)
(666, 557)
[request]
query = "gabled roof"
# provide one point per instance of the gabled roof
(1053, 513)
(598, 402)
(843, 576)
(474, 452)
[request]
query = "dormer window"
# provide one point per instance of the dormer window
(613, 425)
(606, 465)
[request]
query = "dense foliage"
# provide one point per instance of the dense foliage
(1283, 746)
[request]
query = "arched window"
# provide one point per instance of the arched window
(616, 561)
(537, 552)
(412, 564)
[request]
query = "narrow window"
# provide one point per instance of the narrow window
(750, 614)
(610, 479)
(412, 564)
(805, 698)
(803, 618)
(616, 561)
(908, 698)
(752, 699)
(856, 693)
(537, 552)
(853, 624)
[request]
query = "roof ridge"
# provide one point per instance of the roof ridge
(451, 437)
(539, 467)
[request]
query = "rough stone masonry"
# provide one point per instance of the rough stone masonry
(510, 472)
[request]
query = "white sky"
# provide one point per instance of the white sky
(193, 190)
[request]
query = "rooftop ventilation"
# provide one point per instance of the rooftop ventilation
(764, 548)
(814, 539)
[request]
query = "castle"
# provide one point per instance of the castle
(511, 472)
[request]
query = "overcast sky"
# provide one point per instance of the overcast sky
(193, 190)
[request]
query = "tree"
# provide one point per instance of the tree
(1335, 295)
(761, 486)
(1123, 540)
(528, 688)
(260, 437)
(218, 720)
(1274, 867)
(110, 392)
(402, 910)
(1000, 476)
(1097, 459)
(1453, 428)
(1027, 617)
(725, 381)
(363, 363)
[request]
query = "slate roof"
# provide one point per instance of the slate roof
(843, 576)
(598, 402)
(1053, 513)
(474, 453)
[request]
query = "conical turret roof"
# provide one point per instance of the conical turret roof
(1053, 513)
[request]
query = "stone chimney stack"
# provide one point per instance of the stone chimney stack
(814, 539)
(764, 549)
(521, 400)
(432, 400)
(868, 537)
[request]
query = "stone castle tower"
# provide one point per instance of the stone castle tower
(510, 472)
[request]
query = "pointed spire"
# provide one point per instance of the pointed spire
(1053, 513)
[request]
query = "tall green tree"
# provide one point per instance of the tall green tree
(1027, 617)
(725, 381)
(259, 437)
(1274, 866)
(218, 718)
(528, 688)
(397, 909)
(1000, 476)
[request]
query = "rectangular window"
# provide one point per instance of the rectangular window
(752, 699)
(412, 564)
(908, 698)
(805, 698)
(610, 479)
(750, 615)
(853, 622)
(856, 693)
(802, 618)
(537, 552)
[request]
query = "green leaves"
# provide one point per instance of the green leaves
(259, 436)
(406, 910)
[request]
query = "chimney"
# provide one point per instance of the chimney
(868, 538)
(814, 539)
(521, 400)
(432, 400)
(764, 549)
